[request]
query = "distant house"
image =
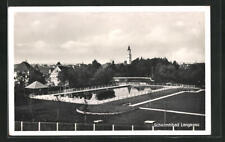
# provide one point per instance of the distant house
(55, 75)
(136, 80)
(185, 66)
(24, 73)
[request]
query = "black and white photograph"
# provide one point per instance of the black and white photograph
(109, 70)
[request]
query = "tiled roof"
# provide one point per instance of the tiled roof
(64, 67)
(36, 85)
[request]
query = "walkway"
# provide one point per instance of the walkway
(173, 111)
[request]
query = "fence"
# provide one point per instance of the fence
(61, 126)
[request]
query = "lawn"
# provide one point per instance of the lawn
(44, 111)
(188, 102)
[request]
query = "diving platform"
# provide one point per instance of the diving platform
(133, 78)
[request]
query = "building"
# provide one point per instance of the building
(55, 75)
(129, 59)
(133, 80)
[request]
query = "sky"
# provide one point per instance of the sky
(81, 37)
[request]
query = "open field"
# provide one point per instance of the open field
(189, 102)
(48, 111)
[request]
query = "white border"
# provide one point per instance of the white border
(13, 10)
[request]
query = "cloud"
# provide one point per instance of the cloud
(76, 37)
(40, 44)
(77, 46)
(184, 54)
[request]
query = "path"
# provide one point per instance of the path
(172, 111)
(151, 100)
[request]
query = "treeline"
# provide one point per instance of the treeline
(160, 69)
(26, 74)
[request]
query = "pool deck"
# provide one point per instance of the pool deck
(122, 106)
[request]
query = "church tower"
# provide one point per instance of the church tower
(129, 55)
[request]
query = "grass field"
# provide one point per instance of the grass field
(188, 102)
(47, 111)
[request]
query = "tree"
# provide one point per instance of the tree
(35, 75)
(95, 64)
(102, 76)
(161, 69)
(69, 75)
(176, 64)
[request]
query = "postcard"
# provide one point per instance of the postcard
(109, 70)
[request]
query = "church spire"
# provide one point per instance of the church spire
(128, 47)
(129, 55)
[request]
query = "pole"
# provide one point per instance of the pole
(57, 126)
(21, 125)
(112, 127)
(39, 126)
(75, 126)
(94, 127)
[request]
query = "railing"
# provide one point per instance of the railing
(159, 84)
(175, 84)
(94, 101)
(115, 85)
(62, 126)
